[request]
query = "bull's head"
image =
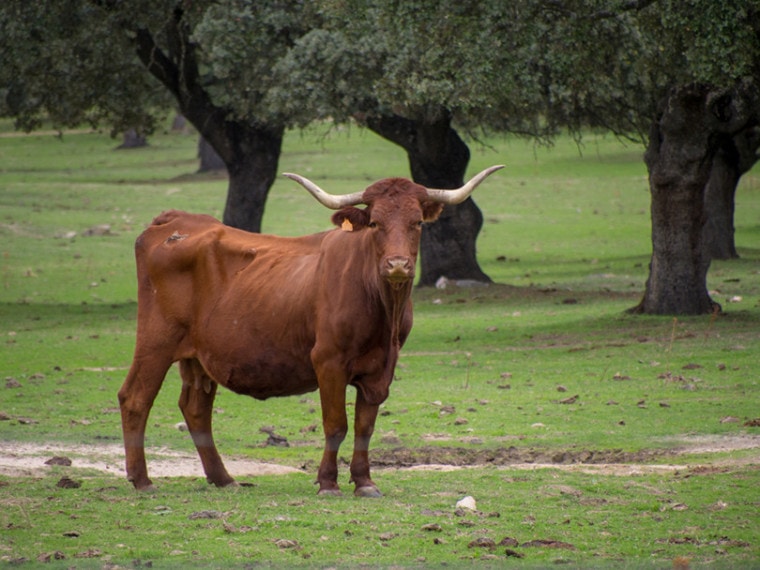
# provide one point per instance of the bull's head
(396, 210)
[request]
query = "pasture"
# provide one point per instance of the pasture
(585, 435)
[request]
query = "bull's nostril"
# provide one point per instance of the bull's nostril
(398, 267)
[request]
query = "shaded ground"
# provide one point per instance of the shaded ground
(28, 459)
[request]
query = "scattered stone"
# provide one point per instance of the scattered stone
(508, 541)
(11, 382)
(468, 503)
(752, 423)
(461, 422)
(180, 426)
(284, 543)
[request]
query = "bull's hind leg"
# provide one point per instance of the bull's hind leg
(196, 403)
(136, 398)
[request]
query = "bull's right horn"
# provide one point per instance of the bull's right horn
(459, 195)
(329, 200)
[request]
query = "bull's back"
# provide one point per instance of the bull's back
(238, 302)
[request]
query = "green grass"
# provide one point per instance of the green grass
(485, 370)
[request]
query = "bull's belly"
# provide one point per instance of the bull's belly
(266, 376)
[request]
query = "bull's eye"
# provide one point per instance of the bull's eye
(372, 224)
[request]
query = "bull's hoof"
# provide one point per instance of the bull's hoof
(369, 491)
(149, 488)
(330, 492)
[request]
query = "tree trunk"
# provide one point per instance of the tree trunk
(718, 232)
(252, 167)
(438, 158)
(694, 121)
(132, 139)
(249, 149)
(209, 158)
(737, 156)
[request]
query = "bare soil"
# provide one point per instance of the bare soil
(29, 459)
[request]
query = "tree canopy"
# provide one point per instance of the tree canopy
(425, 75)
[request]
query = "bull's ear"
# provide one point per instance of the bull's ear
(351, 219)
(431, 211)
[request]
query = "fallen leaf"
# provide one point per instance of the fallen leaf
(548, 544)
(432, 527)
(570, 400)
(205, 515)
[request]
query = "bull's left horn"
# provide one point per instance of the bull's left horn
(329, 200)
(460, 194)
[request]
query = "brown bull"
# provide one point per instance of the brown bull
(273, 316)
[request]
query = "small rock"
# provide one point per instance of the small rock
(432, 527)
(11, 382)
(468, 503)
(180, 426)
(284, 543)
(461, 422)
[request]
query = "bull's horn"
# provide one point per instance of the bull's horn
(460, 194)
(329, 200)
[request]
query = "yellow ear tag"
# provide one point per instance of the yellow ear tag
(347, 226)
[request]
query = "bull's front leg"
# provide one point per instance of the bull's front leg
(332, 395)
(364, 426)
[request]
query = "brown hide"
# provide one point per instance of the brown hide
(273, 316)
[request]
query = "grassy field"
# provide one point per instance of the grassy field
(530, 387)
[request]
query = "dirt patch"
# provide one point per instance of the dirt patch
(29, 459)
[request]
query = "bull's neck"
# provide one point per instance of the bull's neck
(394, 298)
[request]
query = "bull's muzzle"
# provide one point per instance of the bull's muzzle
(398, 269)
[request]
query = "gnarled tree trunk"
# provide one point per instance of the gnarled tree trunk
(438, 158)
(249, 148)
(252, 170)
(694, 121)
(735, 157)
